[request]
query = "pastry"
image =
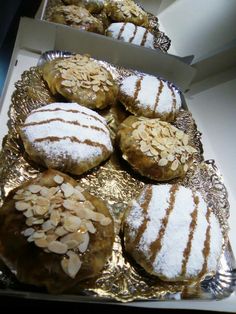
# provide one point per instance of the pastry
(53, 233)
(77, 17)
(155, 148)
(131, 33)
(150, 97)
(81, 79)
(172, 233)
(126, 11)
(93, 6)
(67, 137)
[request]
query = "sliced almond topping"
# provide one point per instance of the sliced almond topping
(22, 206)
(29, 213)
(44, 191)
(163, 162)
(69, 204)
(47, 225)
(90, 226)
(27, 232)
(185, 168)
(60, 231)
(34, 188)
(72, 223)
(185, 139)
(41, 242)
(74, 265)
(55, 217)
(174, 165)
(105, 221)
(84, 245)
(79, 188)
(68, 189)
(58, 179)
(39, 235)
(20, 191)
(57, 247)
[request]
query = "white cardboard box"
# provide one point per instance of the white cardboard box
(35, 37)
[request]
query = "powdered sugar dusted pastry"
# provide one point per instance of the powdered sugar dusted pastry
(155, 148)
(126, 11)
(150, 97)
(93, 6)
(77, 17)
(171, 232)
(82, 80)
(60, 233)
(131, 33)
(66, 136)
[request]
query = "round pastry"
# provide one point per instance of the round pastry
(150, 97)
(126, 11)
(67, 137)
(77, 17)
(53, 233)
(82, 80)
(131, 33)
(155, 148)
(93, 6)
(172, 233)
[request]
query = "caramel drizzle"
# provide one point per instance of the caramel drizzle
(156, 246)
(64, 121)
(69, 110)
(144, 38)
(157, 97)
(193, 225)
(206, 250)
(173, 97)
(72, 139)
(137, 88)
(134, 34)
(144, 205)
(121, 31)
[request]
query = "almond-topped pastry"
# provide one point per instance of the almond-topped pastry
(67, 137)
(126, 11)
(53, 233)
(150, 97)
(130, 33)
(154, 148)
(82, 80)
(93, 6)
(77, 17)
(171, 232)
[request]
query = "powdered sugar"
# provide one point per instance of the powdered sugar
(129, 32)
(62, 129)
(155, 94)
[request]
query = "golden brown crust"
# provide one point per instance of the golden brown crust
(45, 268)
(77, 17)
(93, 6)
(126, 11)
(81, 80)
(137, 154)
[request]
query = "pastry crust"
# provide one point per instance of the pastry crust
(128, 32)
(126, 11)
(93, 6)
(171, 232)
(150, 97)
(67, 137)
(81, 79)
(155, 148)
(77, 17)
(48, 267)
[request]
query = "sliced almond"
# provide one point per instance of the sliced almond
(67, 189)
(74, 265)
(162, 162)
(60, 231)
(174, 165)
(22, 206)
(105, 221)
(34, 188)
(27, 232)
(58, 179)
(72, 223)
(55, 217)
(57, 247)
(84, 245)
(43, 243)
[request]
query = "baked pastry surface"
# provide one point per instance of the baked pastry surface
(131, 33)
(67, 137)
(171, 232)
(155, 148)
(77, 17)
(126, 11)
(150, 97)
(93, 6)
(82, 80)
(53, 233)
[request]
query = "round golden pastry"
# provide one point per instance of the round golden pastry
(81, 79)
(155, 148)
(53, 233)
(126, 11)
(93, 6)
(150, 97)
(172, 233)
(76, 17)
(67, 137)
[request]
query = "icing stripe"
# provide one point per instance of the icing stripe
(135, 31)
(66, 122)
(121, 31)
(158, 96)
(193, 224)
(137, 88)
(144, 206)
(156, 246)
